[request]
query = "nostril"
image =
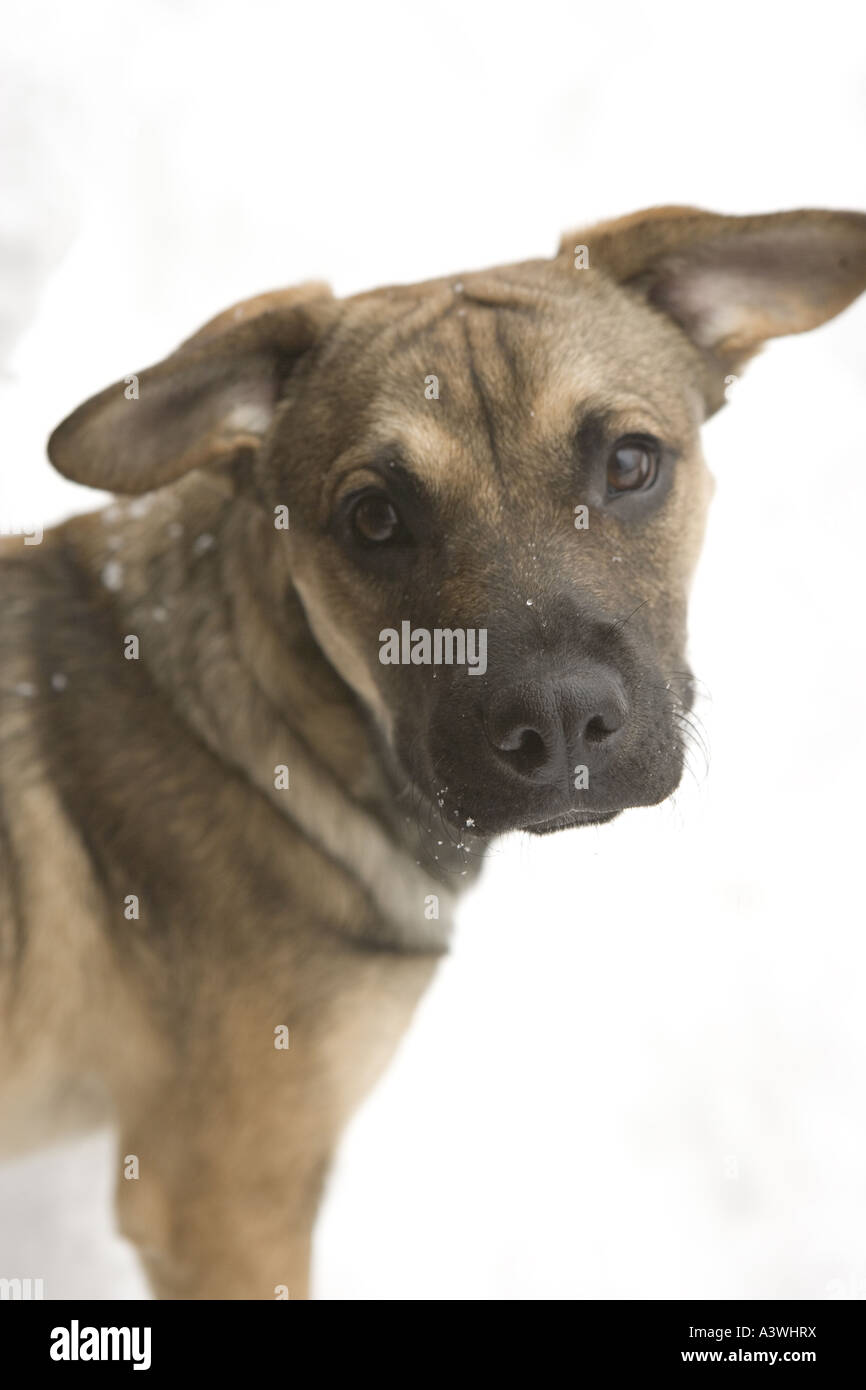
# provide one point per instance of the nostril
(515, 738)
(600, 728)
(525, 747)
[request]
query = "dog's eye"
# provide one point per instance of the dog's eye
(374, 519)
(633, 466)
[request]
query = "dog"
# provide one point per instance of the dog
(386, 578)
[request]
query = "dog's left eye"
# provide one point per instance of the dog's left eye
(374, 519)
(633, 466)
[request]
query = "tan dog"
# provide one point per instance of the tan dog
(410, 571)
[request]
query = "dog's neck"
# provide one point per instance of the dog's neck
(195, 577)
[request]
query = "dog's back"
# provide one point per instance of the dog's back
(52, 953)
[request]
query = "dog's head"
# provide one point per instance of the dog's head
(495, 489)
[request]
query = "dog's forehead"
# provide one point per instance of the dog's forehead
(494, 368)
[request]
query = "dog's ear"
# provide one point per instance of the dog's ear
(211, 399)
(733, 282)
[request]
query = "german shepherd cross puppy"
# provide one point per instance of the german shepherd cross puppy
(369, 595)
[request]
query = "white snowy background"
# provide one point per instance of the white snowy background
(641, 1072)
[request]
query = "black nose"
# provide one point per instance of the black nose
(543, 729)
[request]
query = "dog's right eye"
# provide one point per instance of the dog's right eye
(374, 520)
(633, 465)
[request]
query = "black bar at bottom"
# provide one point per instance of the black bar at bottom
(167, 1339)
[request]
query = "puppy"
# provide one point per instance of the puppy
(395, 575)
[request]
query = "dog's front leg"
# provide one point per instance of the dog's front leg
(223, 1156)
(219, 1197)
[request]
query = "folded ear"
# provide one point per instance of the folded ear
(213, 397)
(733, 282)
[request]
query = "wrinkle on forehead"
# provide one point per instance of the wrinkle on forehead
(511, 388)
(377, 324)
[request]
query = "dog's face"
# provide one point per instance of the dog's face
(518, 461)
(495, 488)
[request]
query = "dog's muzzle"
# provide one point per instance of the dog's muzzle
(541, 754)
